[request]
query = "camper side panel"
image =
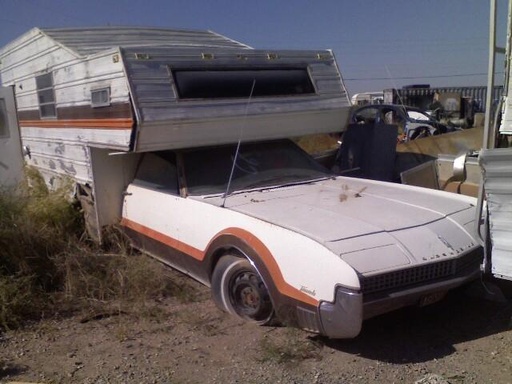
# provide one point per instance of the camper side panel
(67, 103)
(506, 121)
(190, 97)
(498, 188)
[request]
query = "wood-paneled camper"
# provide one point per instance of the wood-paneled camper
(90, 100)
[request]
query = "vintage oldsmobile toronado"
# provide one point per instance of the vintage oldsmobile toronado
(181, 137)
(276, 236)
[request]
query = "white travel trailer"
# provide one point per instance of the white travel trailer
(180, 136)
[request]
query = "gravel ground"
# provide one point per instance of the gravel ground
(463, 339)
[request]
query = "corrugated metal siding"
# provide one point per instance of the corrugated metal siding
(82, 59)
(31, 53)
(155, 97)
(57, 151)
(408, 96)
(86, 41)
(62, 151)
(497, 167)
(165, 121)
(506, 121)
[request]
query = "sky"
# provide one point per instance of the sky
(378, 44)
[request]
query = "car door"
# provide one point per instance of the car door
(11, 157)
(161, 222)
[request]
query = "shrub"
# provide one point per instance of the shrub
(47, 263)
(35, 225)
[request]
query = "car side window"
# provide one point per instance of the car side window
(158, 172)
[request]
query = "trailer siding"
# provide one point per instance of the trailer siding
(92, 40)
(498, 189)
(422, 97)
(166, 121)
(506, 121)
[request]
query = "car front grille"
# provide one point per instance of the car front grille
(428, 272)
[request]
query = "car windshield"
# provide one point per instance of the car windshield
(258, 165)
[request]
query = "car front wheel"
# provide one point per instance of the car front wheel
(238, 289)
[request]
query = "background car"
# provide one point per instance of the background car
(413, 123)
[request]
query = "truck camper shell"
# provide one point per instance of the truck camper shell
(84, 94)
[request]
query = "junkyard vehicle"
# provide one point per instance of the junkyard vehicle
(413, 123)
(486, 172)
(284, 237)
(179, 136)
(452, 106)
(365, 98)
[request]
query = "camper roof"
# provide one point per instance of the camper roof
(86, 41)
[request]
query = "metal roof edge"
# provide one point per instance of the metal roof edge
(65, 47)
(32, 31)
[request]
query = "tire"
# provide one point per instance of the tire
(238, 289)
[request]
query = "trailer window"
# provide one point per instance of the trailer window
(237, 83)
(100, 97)
(45, 95)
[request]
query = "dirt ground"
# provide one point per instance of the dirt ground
(463, 339)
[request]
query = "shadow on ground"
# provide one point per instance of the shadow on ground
(9, 370)
(414, 335)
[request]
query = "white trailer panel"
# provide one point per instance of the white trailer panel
(498, 191)
(11, 159)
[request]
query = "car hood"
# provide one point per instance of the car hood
(348, 215)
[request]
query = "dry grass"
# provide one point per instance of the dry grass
(48, 266)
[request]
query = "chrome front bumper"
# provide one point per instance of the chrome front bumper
(343, 318)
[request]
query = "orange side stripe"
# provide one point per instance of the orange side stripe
(263, 252)
(164, 239)
(271, 264)
(79, 123)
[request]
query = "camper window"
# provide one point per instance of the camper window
(45, 95)
(238, 82)
(100, 97)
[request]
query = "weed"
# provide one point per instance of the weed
(18, 300)
(47, 264)
(34, 226)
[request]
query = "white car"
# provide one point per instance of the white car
(276, 236)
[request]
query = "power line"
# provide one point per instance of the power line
(419, 77)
